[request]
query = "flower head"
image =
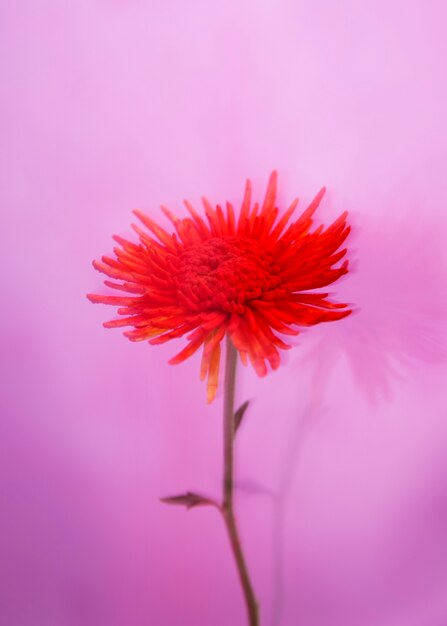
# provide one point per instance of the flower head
(250, 277)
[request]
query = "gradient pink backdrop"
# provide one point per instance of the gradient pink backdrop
(107, 106)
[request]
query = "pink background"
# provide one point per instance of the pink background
(342, 500)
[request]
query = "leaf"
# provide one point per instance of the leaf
(189, 499)
(238, 416)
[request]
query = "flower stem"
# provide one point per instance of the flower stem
(228, 483)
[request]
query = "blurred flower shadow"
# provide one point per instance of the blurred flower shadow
(398, 289)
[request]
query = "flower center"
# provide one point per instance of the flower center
(223, 274)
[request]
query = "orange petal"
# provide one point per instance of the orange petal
(270, 194)
(213, 374)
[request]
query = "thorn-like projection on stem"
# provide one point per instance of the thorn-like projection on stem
(239, 415)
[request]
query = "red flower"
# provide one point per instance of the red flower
(247, 277)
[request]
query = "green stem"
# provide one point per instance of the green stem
(228, 483)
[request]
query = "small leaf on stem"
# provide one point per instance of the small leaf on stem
(238, 416)
(190, 500)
